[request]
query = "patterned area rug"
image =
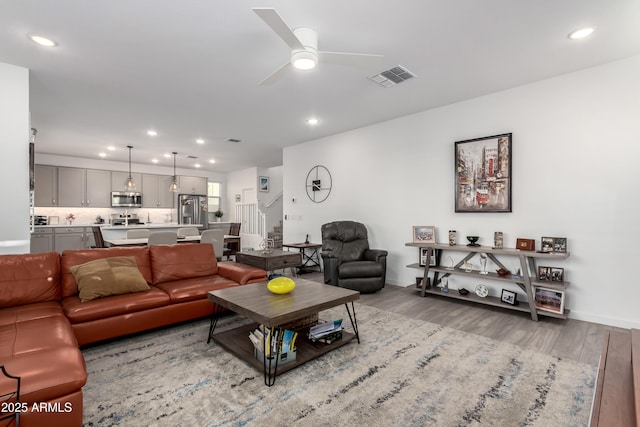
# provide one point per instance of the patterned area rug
(405, 372)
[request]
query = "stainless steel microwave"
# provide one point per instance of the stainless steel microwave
(126, 199)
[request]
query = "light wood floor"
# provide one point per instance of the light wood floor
(570, 339)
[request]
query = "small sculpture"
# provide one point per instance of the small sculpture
(267, 246)
(450, 263)
(468, 267)
(483, 264)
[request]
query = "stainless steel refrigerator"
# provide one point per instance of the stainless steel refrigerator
(192, 209)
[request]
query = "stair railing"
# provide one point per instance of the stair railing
(252, 219)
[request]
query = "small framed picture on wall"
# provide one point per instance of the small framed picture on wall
(263, 184)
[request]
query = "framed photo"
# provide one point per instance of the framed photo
(483, 174)
(544, 274)
(549, 299)
(423, 257)
(554, 244)
(509, 297)
(557, 274)
(419, 282)
(264, 183)
(424, 234)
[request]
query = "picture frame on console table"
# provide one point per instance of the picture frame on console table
(551, 300)
(509, 297)
(483, 174)
(424, 234)
(526, 244)
(423, 257)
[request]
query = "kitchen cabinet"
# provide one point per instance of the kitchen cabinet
(192, 185)
(46, 181)
(41, 240)
(98, 189)
(526, 281)
(118, 180)
(155, 191)
(71, 187)
(67, 238)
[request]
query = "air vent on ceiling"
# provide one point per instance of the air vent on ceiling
(234, 140)
(392, 76)
(192, 157)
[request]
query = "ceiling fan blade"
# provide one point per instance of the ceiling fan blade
(276, 75)
(277, 24)
(351, 59)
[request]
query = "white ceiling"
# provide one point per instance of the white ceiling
(190, 68)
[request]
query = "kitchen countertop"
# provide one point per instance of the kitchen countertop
(122, 227)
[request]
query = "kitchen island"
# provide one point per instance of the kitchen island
(114, 232)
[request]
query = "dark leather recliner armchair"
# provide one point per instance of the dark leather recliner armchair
(348, 261)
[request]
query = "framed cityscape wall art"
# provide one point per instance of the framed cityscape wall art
(483, 174)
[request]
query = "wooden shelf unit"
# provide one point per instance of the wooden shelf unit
(526, 281)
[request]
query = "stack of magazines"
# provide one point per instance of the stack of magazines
(327, 332)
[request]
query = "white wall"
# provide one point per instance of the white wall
(14, 173)
(576, 145)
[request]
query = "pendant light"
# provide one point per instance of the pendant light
(130, 185)
(174, 184)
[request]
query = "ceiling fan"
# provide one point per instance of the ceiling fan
(304, 48)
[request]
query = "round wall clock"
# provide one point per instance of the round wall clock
(318, 183)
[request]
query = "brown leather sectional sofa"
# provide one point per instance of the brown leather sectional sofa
(43, 321)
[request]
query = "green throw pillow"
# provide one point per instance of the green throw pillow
(108, 276)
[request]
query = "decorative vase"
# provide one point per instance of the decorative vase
(281, 285)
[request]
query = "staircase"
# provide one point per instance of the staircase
(276, 235)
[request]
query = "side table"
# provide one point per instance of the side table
(311, 258)
(275, 260)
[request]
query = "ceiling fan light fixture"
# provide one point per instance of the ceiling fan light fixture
(304, 59)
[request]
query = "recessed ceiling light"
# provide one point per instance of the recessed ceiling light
(581, 33)
(212, 161)
(197, 165)
(42, 41)
(102, 154)
(152, 132)
(200, 141)
(312, 121)
(111, 148)
(154, 160)
(167, 155)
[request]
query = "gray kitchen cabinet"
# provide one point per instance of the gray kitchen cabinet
(71, 187)
(41, 240)
(98, 189)
(46, 181)
(70, 238)
(192, 185)
(118, 180)
(155, 191)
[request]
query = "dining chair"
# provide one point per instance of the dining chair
(162, 238)
(216, 238)
(230, 248)
(138, 233)
(188, 231)
(97, 237)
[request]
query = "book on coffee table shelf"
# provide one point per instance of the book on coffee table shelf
(275, 338)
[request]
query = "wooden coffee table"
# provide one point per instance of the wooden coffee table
(277, 259)
(258, 303)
